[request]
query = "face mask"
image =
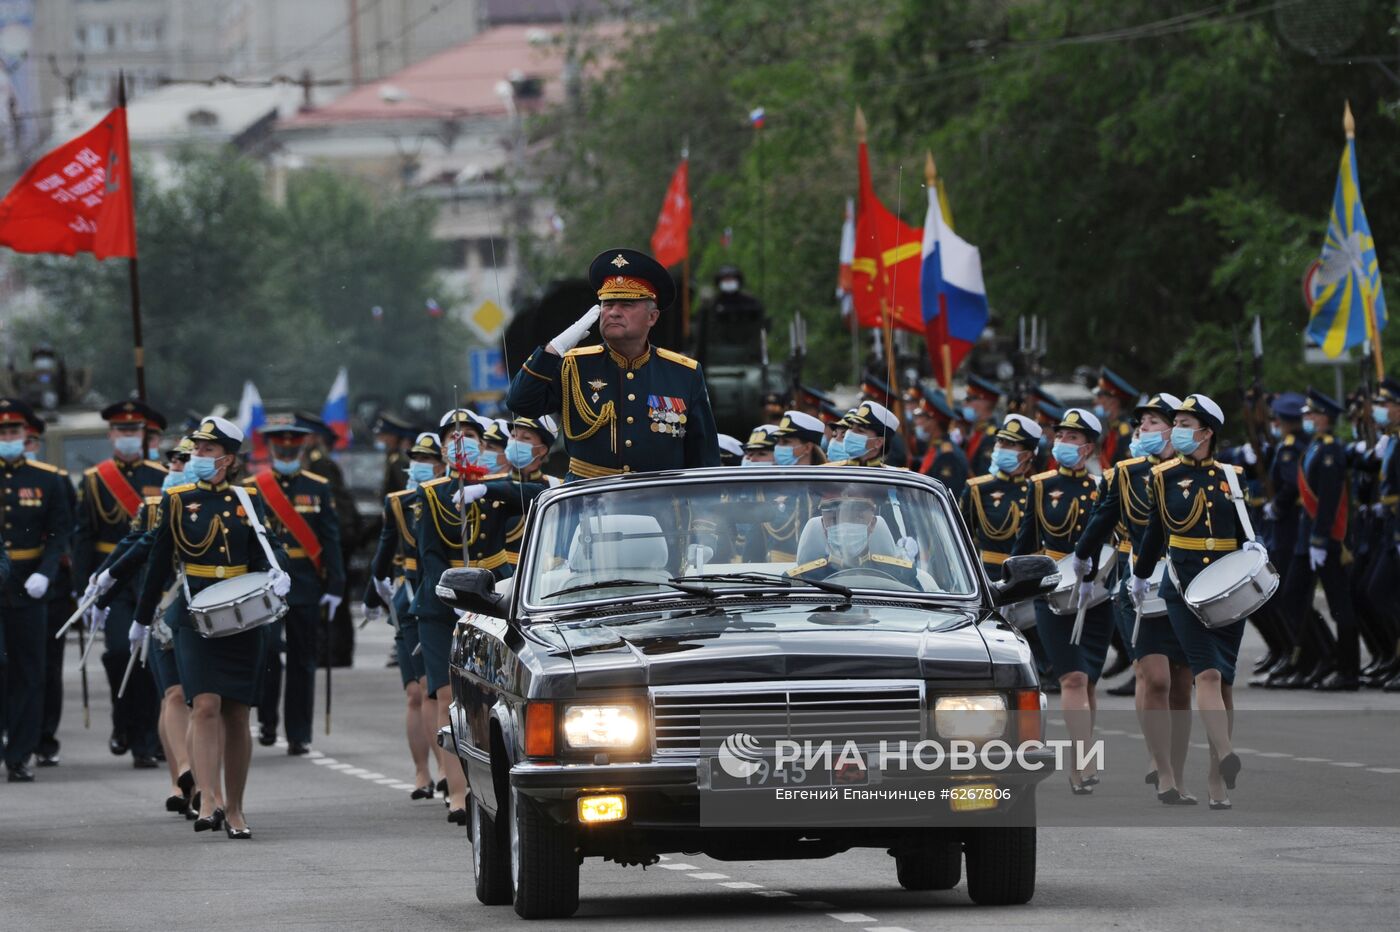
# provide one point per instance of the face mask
(490, 460)
(380, 446)
(420, 472)
(1152, 443)
(847, 542)
(1184, 440)
(1100, 412)
(173, 479)
(1135, 447)
(201, 468)
(1007, 461)
(956, 435)
(519, 453)
(729, 285)
(854, 445)
(968, 414)
(153, 453)
(826, 443)
(1309, 427)
(1380, 415)
(286, 467)
(128, 446)
(785, 456)
(836, 449)
(1276, 431)
(463, 449)
(1066, 454)
(11, 449)
(921, 432)
(748, 462)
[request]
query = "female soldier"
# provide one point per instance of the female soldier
(204, 531)
(1194, 521)
(1057, 509)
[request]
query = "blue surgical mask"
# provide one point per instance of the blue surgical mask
(173, 479)
(1381, 415)
(785, 456)
(1152, 443)
(467, 449)
(129, 446)
(1135, 447)
(380, 446)
(826, 444)
(31, 454)
(1006, 461)
(1184, 440)
(11, 449)
(1066, 454)
(490, 460)
(847, 541)
(153, 453)
(921, 432)
(968, 413)
(1276, 431)
(519, 453)
(854, 444)
(420, 472)
(201, 468)
(1309, 427)
(1100, 412)
(286, 467)
(748, 462)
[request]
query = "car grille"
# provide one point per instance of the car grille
(687, 718)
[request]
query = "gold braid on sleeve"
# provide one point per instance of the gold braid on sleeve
(577, 405)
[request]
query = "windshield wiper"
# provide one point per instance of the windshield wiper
(703, 592)
(844, 591)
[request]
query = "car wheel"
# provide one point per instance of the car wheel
(1001, 865)
(934, 865)
(543, 863)
(490, 859)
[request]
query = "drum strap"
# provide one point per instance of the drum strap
(1237, 497)
(257, 524)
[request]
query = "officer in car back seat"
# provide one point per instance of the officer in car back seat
(848, 523)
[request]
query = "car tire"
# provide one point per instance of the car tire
(490, 859)
(1001, 865)
(935, 865)
(544, 863)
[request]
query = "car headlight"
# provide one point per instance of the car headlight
(979, 718)
(601, 726)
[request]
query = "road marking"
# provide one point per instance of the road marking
(1313, 760)
(372, 776)
(678, 867)
(771, 893)
(886, 929)
(741, 885)
(404, 786)
(1383, 769)
(851, 917)
(324, 761)
(341, 767)
(707, 875)
(386, 781)
(1273, 754)
(1245, 751)
(1347, 763)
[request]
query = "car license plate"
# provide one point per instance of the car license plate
(764, 774)
(973, 797)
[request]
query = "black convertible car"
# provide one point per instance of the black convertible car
(629, 691)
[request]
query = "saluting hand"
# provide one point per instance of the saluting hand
(574, 332)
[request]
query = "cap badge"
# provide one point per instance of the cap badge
(619, 261)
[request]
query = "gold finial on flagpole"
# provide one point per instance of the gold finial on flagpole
(860, 125)
(1348, 123)
(930, 170)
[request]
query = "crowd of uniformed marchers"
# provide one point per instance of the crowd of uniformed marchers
(1140, 494)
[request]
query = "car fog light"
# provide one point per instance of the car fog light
(602, 808)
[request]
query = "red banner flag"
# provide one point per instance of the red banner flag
(888, 259)
(76, 198)
(670, 243)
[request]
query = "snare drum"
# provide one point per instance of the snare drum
(1234, 587)
(1153, 605)
(1062, 600)
(236, 605)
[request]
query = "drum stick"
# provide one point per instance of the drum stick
(1077, 631)
(82, 661)
(1137, 623)
(83, 605)
(417, 649)
(130, 664)
(82, 676)
(330, 637)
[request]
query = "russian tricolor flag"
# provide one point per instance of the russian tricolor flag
(251, 416)
(336, 411)
(953, 296)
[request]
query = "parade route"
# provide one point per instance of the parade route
(337, 843)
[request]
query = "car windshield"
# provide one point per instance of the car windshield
(840, 537)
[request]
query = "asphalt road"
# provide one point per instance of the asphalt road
(339, 844)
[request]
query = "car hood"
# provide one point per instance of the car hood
(773, 642)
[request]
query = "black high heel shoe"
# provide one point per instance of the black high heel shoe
(442, 786)
(176, 803)
(1174, 797)
(1151, 778)
(1230, 767)
(1220, 805)
(1080, 789)
(238, 833)
(457, 816)
(423, 792)
(211, 823)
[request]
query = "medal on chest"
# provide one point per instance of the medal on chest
(597, 385)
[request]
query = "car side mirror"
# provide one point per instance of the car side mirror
(1025, 578)
(472, 590)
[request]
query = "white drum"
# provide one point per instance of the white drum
(1021, 615)
(1062, 601)
(236, 605)
(1153, 605)
(1234, 587)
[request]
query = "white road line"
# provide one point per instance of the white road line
(341, 767)
(404, 786)
(355, 772)
(1273, 754)
(886, 929)
(1245, 751)
(741, 885)
(1383, 769)
(324, 761)
(678, 866)
(707, 875)
(1313, 760)
(387, 781)
(373, 776)
(770, 893)
(851, 917)
(1347, 763)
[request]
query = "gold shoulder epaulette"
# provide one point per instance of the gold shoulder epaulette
(161, 466)
(152, 499)
(311, 475)
(1132, 461)
(892, 561)
(46, 467)
(1164, 466)
(815, 564)
(248, 482)
(433, 483)
(1239, 470)
(1044, 475)
(402, 492)
(1108, 474)
(1289, 440)
(179, 488)
(978, 480)
(681, 358)
(1124, 429)
(946, 447)
(585, 350)
(90, 471)
(495, 475)
(836, 463)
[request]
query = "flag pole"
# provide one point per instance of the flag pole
(1372, 329)
(945, 350)
(138, 350)
(685, 266)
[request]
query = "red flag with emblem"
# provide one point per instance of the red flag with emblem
(888, 259)
(670, 242)
(76, 198)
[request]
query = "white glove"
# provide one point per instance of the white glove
(1382, 445)
(1270, 512)
(1316, 557)
(468, 494)
(385, 588)
(1137, 590)
(36, 585)
(1257, 547)
(697, 555)
(281, 582)
(332, 604)
(96, 618)
(136, 635)
(1247, 451)
(1359, 446)
(104, 581)
(1081, 567)
(910, 547)
(1086, 592)
(575, 331)
(1378, 510)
